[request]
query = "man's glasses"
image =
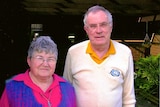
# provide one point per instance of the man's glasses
(101, 25)
(41, 60)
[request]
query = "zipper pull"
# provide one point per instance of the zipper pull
(49, 104)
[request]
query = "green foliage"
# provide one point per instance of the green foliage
(147, 74)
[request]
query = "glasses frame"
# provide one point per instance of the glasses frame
(41, 59)
(102, 25)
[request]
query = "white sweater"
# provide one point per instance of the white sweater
(109, 84)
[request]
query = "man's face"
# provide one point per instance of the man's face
(98, 28)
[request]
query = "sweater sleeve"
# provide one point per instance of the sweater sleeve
(67, 74)
(128, 93)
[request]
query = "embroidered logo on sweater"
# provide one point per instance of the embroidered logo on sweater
(115, 73)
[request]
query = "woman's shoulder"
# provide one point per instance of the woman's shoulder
(62, 81)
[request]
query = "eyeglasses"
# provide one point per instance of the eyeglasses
(101, 25)
(41, 60)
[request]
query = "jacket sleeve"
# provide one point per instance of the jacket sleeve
(4, 99)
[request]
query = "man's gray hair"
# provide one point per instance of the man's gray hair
(95, 9)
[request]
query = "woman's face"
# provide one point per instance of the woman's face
(42, 65)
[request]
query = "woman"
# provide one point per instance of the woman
(39, 86)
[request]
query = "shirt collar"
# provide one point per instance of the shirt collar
(110, 51)
(27, 80)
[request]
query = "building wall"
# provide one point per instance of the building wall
(155, 48)
(138, 50)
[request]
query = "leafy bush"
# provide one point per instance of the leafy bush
(147, 73)
(147, 78)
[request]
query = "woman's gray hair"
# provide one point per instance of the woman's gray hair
(43, 44)
(96, 9)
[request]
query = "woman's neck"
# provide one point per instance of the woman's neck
(42, 83)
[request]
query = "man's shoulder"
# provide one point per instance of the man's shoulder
(79, 45)
(120, 46)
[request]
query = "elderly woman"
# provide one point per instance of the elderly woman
(39, 86)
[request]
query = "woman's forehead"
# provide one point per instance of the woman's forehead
(43, 53)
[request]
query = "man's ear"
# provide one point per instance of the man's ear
(85, 28)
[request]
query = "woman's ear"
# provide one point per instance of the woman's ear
(28, 61)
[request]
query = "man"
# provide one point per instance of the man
(100, 69)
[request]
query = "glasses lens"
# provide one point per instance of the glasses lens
(40, 59)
